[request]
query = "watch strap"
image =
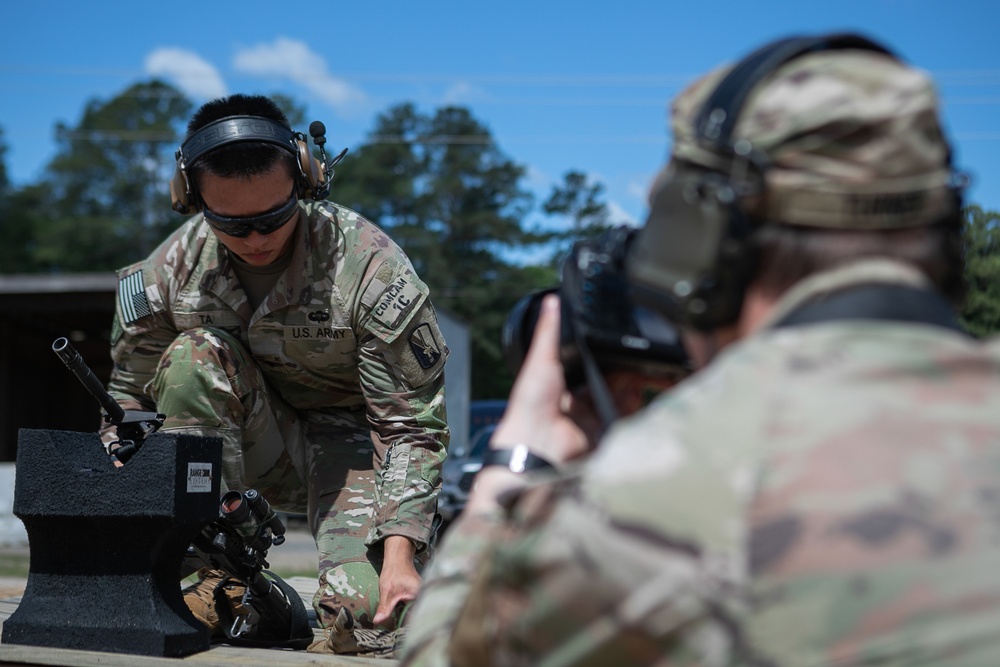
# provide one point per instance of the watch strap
(516, 459)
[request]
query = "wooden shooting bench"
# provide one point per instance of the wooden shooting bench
(219, 655)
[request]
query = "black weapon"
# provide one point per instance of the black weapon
(131, 426)
(271, 613)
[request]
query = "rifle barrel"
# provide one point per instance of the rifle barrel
(65, 351)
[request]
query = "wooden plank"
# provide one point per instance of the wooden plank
(218, 655)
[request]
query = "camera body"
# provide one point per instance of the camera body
(598, 317)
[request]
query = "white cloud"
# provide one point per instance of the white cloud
(619, 215)
(538, 179)
(293, 60)
(463, 92)
(638, 190)
(188, 71)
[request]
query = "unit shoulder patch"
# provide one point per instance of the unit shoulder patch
(425, 346)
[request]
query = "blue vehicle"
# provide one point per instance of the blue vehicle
(484, 413)
(464, 462)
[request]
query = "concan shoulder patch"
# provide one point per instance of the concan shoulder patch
(396, 300)
(132, 298)
(425, 347)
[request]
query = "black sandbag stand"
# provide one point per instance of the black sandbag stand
(107, 544)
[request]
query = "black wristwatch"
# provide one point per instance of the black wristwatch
(516, 459)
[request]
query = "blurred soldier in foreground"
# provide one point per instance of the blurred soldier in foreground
(827, 489)
(297, 331)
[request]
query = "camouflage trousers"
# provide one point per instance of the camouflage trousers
(318, 462)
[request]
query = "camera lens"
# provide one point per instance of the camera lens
(519, 328)
(597, 315)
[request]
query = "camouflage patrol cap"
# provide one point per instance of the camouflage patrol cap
(852, 139)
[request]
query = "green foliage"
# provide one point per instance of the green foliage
(295, 112)
(15, 563)
(21, 222)
(579, 200)
(446, 193)
(981, 312)
(4, 181)
(115, 165)
(103, 201)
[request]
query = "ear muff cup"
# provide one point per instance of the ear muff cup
(310, 170)
(693, 259)
(180, 192)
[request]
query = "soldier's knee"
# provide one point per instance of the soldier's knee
(202, 342)
(353, 586)
(203, 349)
(198, 365)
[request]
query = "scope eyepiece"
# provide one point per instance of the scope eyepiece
(233, 507)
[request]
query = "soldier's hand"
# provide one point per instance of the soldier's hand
(536, 413)
(399, 581)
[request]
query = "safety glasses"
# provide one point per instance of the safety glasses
(265, 223)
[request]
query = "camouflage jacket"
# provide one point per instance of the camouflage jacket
(821, 494)
(348, 325)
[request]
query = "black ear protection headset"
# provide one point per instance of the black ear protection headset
(312, 180)
(693, 258)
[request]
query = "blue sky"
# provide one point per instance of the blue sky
(562, 85)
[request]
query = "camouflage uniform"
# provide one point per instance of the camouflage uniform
(843, 508)
(825, 492)
(329, 398)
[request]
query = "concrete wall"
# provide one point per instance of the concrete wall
(457, 377)
(12, 533)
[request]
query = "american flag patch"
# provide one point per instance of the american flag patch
(132, 300)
